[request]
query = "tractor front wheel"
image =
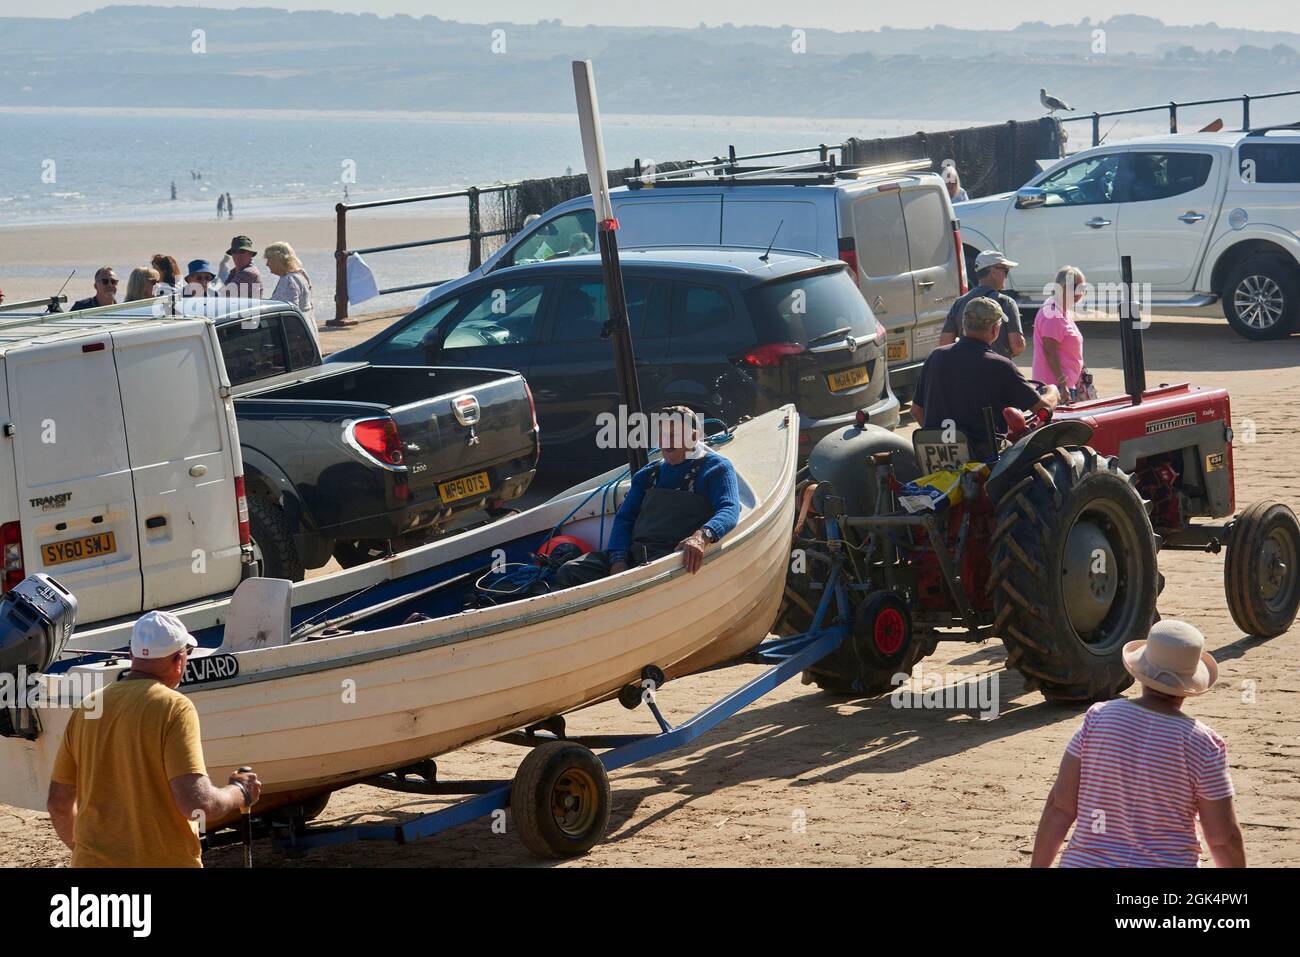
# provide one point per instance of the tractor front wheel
(1074, 575)
(1261, 570)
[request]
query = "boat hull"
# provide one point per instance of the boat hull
(319, 715)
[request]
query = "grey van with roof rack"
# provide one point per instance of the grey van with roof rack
(893, 225)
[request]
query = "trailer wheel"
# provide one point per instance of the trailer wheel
(1261, 298)
(1074, 575)
(559, 800)
(274, 551)
(1261, 571)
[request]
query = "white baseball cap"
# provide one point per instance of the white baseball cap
(991, 257)
(159, 634)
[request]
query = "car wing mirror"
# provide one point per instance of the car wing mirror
(1031, 197)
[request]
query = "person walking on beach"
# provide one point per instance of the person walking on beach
(105, 290)
(294, 286)
(1058, 343)
(1139, 772)
(244, 280)
(130, 787)
(230, 207)
(221, 204)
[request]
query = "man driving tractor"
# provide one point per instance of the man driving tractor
(959, 380)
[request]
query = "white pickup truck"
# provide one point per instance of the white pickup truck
(120, 468)
(1209, 219)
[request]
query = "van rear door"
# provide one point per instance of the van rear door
(182, 461)
(884, 268)
(75, 500)
(933, 254)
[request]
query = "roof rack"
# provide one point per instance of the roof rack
(31, 304)
(1261, 130)
(730, 172)
(83, 314)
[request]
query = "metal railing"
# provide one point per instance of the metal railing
(474, 236)
(1172, 108)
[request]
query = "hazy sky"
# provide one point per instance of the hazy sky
(854, 15)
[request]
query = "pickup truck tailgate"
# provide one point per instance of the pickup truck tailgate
(446, 439)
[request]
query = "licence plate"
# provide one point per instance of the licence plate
(896, 351)
(75, 549)
(847, 379)
(467, 487)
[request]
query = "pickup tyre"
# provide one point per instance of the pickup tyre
(274, 553)
(1261, 298)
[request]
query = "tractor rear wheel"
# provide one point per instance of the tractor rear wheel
(1074, 575)
(1261, 571)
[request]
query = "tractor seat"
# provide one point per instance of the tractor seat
(937, 449)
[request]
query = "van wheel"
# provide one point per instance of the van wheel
(1261, 298)
(274, 552)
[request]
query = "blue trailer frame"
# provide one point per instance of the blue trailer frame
(787, 657)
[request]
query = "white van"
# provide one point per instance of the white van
(120, 473)
(894, 225)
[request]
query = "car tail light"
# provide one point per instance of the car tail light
(11, 541)
(961, 258)
(378, 439)
(881, 333)
(849, 253)
(772, 354)
(241, 509)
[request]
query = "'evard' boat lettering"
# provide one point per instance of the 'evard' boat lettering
(210, 668)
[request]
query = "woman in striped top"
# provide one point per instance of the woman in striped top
(1139, 772)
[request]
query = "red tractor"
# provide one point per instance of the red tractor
(1052, 549)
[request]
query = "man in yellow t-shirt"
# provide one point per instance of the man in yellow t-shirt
(129, 787)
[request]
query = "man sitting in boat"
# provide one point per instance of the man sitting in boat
(686, 503)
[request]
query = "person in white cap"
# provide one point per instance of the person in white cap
(129, 786)
(1139, 772)
(991, 270)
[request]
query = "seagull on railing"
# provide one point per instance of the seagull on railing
(1052, 103)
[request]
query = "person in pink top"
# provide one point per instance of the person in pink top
(1058, 343)
(1139, 772)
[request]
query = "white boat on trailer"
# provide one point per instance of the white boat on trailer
(315, 712)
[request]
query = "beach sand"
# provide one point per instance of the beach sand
(802, 778)
(35, 260)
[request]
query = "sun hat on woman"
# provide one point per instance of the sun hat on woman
(1172, 660)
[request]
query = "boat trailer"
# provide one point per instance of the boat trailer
(566, 783)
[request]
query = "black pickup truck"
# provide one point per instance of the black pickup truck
(349, 459)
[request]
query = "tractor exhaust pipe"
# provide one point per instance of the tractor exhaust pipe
(1130, 335)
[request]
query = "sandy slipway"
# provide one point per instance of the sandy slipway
(804, 779)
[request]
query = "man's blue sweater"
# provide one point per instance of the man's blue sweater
(715, 480)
